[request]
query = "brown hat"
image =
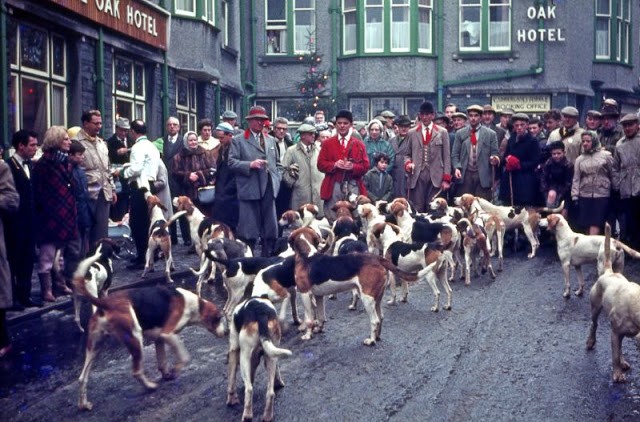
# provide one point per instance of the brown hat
(459, 114)
(257, 112)
(609, 110)
(475, 107)
(594, 113)
(629, 119)
(488, 108)
(520, 116)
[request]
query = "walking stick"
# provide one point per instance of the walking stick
(493, 184)
(511, 187)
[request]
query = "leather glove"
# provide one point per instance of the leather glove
(513, 163)
(293, 170)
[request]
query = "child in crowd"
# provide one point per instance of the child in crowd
(379, 184)
(85, 219)
(557, 175)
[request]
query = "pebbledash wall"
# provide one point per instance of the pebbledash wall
(529, 55)
(130, 58)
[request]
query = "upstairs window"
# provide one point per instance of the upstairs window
(485, 25)
(185, 7)
(290, 26)
(613, 30)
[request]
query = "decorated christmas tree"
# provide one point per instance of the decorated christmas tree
(313, 88)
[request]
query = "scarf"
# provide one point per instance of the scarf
(566, 133)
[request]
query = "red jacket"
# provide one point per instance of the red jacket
(331, 152)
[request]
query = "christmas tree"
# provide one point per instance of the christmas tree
(313, 85)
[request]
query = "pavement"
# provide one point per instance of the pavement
(122, 279)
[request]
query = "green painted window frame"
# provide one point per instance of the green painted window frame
(485, 9)
(202, 10)
(293, 9)
(619, 32)
(358, 11)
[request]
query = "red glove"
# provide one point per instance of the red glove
(512, 163)
(406, 166)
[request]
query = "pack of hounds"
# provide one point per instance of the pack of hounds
(368, 248)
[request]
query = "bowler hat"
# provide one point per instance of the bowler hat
(426, 108)
(570, 111)
(229, 115)
(402, 120)
(629, 119)
(345, 114)
(257, 112)
(123, 123)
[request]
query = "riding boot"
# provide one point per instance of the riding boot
(267, 247)
(59, 285)
(45, 287)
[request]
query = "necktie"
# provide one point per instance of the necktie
(262, 141)
(343, 142)
(427, 136)
(26, 164)
(474, 138)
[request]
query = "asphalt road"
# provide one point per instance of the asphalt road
(510, 349)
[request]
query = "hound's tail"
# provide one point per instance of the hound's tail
(205, 266)
(446, 258)
(265, 340)
(607, 249)
(78, 278)
(407, 276)
(552, 210)
(173, 218)
(631, 252)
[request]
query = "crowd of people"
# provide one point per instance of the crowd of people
(59, 195)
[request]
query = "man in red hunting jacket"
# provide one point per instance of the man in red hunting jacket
(343, 159)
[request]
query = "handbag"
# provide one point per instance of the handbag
(207, 194)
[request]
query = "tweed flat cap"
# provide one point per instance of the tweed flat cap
(629, 119)
(570, 111)
(475, 107)
(520, 116)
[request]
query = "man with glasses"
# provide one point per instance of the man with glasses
(283, 141)
(253, 159)
(102, 192)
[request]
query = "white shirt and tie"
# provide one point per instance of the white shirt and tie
(24, 163)
(143, 163)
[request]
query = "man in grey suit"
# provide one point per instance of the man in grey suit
(171, 146)
(475, 150)
(253, 159)
(429, 159)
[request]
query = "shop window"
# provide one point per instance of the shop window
(485, 25)
(129, 89)
(38, 61)
(613, 30)
(386, 26)
(186, 103)
(290, 26)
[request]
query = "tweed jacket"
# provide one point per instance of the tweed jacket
(439, 149)
(9, 201)
(252, 183)
(330, 153)
(487, 146)
(305, 187)
(96, 166)
(54, 200)
(626, 167)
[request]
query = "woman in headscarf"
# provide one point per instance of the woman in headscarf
(591, 186)
(376, 143)
(194, 168)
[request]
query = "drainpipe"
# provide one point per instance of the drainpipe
(536, 69)
(248, 85)
(216, 104)
(99, 78)
(334, 11)
(440, 53)
(4, 79)
(165, 87)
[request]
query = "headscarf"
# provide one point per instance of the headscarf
(595, 142)
(185, 138)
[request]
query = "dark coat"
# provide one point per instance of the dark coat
(401, 148)
(225, 206)
(524, 181)
(189, 161)
(374, 191)
(81, 193)
(54, 202)
(19, 230)
(557, 176)
(169, 151)
(113, 145)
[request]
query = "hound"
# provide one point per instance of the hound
(577, 249)
(620, 300)
(476, 248)
(255, 332)
(158, 313)
(96, 272)
(369, 216)
(159, 237)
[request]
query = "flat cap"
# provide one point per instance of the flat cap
(306, 128)
(594, 113)
(459, 114)
(388, 113)
(225, 127)
(507, 112)
(629, 119)
(570, 111)
(475, 107)
(229, 115)
(441, 116)
(123, 123)
(359, 126)
(610, 101)
(402, 121)
(488, 108)
(520, 116)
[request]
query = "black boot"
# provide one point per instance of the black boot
(267, 247)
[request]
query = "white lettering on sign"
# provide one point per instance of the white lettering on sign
(142, 21)
(541, 34)
(111, 7)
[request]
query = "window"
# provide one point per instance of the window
(227, 102)
(38, 78)
(267, 104)
(208, 13)
(129, 96)
(186, 102)
(290, 26)
(485, 25)
(185, 7)
(386, 26)
(224, 22)
(365, 109)
(613, 30)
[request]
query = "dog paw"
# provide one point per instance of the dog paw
(578, 292)
(404, 299)
(232, 399)
(624, 365)
(278, 384)
(591, 342)
(618, 376)
(352, 307)
(566, 294)
(434, 309)
(306, 337)
(447, 307)
(391, 302)
(369, 342)
(85, 405)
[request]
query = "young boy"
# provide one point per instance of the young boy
(557, 175)
(379, 184)
(85, 219)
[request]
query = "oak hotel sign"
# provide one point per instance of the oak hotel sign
(140, 20)
(544, 13)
